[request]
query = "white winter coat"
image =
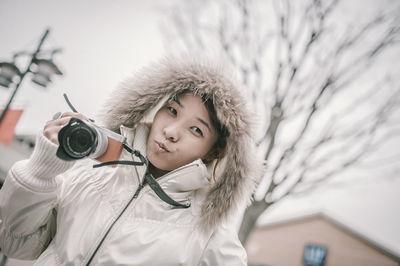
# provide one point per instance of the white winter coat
(85, 215)
(91, 214)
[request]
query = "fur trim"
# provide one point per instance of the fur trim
(142, 93)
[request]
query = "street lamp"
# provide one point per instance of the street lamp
(41, 68)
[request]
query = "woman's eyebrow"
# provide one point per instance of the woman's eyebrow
(204, 123)
(178, 102)
(198, 118)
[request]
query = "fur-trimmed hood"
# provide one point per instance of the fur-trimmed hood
(137, 96)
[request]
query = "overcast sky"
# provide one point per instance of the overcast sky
(103, 42)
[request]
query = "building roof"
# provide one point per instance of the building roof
(363, 236)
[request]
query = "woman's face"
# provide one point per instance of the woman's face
(181, 133)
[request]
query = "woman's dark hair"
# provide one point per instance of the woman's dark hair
(218, 150)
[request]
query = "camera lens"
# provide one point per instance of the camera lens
(79, 141)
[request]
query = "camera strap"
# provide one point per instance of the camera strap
(149, 178)
(117, 162)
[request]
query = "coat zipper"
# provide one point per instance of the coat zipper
(140, 187)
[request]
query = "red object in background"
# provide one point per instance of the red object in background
(7, 126)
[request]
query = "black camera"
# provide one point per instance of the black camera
(79, 139)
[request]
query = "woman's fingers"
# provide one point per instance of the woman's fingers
(52, 127)
(50, 131)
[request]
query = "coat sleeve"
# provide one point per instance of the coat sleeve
(28, 202)
(224, 248)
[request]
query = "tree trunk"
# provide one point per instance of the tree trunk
(250, 218)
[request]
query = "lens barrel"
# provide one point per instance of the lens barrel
(78, 139)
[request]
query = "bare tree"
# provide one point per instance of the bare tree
(323, 83)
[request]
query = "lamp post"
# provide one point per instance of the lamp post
(44, 69)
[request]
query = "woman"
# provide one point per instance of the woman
(190, 125)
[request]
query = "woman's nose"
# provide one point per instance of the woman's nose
(171, 132)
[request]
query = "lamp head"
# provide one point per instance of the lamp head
(44, 68)
(8, 73)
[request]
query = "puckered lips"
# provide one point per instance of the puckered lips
(161, 147)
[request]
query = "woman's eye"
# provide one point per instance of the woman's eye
(197, 131)
(172, 110)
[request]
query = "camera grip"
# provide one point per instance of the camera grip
(113, 151)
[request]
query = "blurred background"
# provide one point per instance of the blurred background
(322, 78)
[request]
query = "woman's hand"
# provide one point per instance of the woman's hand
(54, 126)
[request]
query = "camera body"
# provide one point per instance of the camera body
(79, 139)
